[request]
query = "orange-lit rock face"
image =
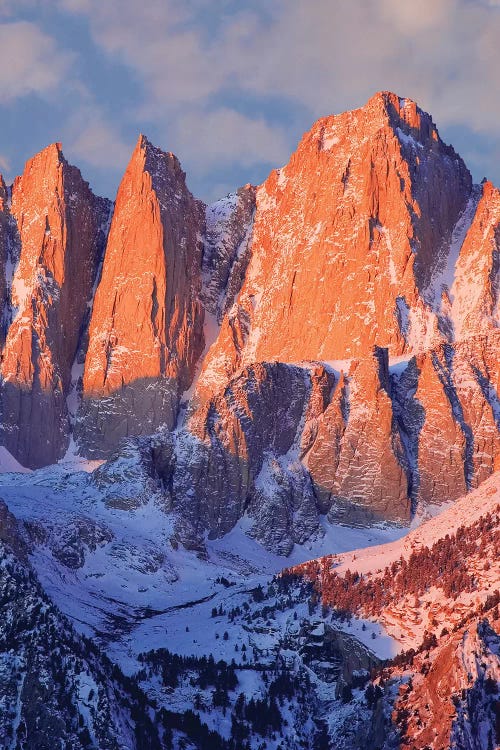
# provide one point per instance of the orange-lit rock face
(447, 703)
(146, 331)
(446, 405)
(346, 240)
(475, 289)
(294, 305)
(58, 227)
(352, 244)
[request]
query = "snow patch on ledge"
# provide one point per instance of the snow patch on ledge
(444, 277)
(8, 464)
(407, 140)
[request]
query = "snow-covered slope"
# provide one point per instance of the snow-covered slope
(105, 550)
(430, 579)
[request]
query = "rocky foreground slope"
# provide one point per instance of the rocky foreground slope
(396, 645)
(324, 344)
(437, 593)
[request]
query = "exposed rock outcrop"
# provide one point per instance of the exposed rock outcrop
(323, 344)
(146, 331)
(346, 240)
(357, 462)
(60, 227)
(225, 456)
(476, 285)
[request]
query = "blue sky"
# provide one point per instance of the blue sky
(231, 86)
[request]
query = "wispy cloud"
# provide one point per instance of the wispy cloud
(224, 135)
(4, 166)
(321, 54)
(206, 83)
(93, 139)
(30, 61)
(318, 53)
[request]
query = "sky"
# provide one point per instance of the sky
(230, 86)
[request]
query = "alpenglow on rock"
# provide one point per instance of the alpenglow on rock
(54, 239)
(146, 331)
(325, 344)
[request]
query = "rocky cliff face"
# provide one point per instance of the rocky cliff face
(323, 344)
(6, 251)
(347, 239)
(55, 235)
(241, 452)
(357, 456)
(146, 331)
(475, 287)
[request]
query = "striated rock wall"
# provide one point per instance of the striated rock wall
(476, 284)
(224, 456)
(146, 331)
(323, 344)
(346, 240)
(357, 457)
(447, 408)
(59, 226)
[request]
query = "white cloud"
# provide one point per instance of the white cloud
(223, 136)
(88, 136)
(196, 69)
(323, 54)
(30, 62)
(5, 168)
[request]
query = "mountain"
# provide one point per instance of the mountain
(303, 373)
(146, 327)
(323, 344)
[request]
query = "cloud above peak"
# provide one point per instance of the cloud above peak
(31, 61)
(319, 53)
(234, 89)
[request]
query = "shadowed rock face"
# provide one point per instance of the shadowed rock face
(146, 331)
(357, 457)
(323, 344)
(288, 443)
(58, 226)
(6, 251)
(221, 458)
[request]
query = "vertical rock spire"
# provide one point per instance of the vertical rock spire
(146, 331)
(58, 222)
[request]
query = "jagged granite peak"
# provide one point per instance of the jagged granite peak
(57, 234)
(370, 255)
(346, 240)
(146, 330)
